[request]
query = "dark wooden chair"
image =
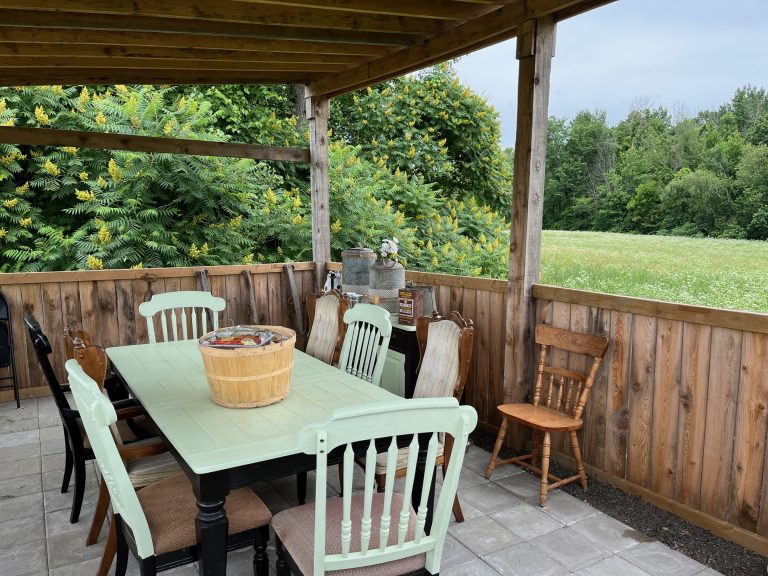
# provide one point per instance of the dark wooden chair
(76, 447)
(445, 347)
(559, 397)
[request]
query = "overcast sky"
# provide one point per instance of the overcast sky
(686, 55)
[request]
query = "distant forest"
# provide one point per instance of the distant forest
(656, 174)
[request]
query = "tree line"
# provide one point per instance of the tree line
(705, 175)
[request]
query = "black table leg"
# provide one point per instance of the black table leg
(212, 524)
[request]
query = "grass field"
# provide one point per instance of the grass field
(719, 273)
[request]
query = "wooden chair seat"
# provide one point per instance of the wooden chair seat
(541, 417)
(171, 509)
(401, 463)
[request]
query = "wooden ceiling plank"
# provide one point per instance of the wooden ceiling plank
(121, 24)
(105, 141)
(580, 8)
(237, 12)
(67, 62)
(446, 10)
(50, 76)
(499, 24)
(183, 41)
(12, 50)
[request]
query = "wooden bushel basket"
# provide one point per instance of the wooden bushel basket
(249, 377)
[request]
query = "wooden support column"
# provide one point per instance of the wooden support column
(318, 110)
(535, 48)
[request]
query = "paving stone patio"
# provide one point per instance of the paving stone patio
(505, 531)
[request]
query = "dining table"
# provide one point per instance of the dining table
(221, 449)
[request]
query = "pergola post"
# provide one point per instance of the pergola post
(535, 48)
(318, 111)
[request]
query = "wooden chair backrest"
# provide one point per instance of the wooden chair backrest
(425, 419)
(560, 388)
(325, 311)
(366, 341)
(43, 349)
(445, 346)
(98, 414)
(186, 302)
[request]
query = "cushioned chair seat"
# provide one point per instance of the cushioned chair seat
(151, 469)
(402, 459)
(295, 527)
(170, 508)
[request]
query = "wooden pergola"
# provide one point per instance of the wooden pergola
(329, 46)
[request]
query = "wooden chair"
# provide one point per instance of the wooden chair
(325, 311)
(186, 302)
(559, 397)
(369, 532)
(365, 342)
(445, 346)
(158, 522)
(146, 461)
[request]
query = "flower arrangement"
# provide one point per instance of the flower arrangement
(388, 249)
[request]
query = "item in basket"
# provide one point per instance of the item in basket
(238, 336)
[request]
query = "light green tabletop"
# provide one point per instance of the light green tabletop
(169, 381)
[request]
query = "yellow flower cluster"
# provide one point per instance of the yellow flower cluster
(138, 266)
(236, 222)
(104, 236)
(83, 176)
(101, 119)
(41, 116)
(298, 219)
(336, 226)
(85, 97)
(51, 168)
(85, 195)
(25, 222)
(271, 196)
(196, 252)
(21, 190)
(3, 232)
(70, 150)
(114, 170)
(11, 202)
(13, 156)
(248, 258)
(94, 263)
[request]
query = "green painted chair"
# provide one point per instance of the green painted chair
(158, 521)
(368, 532)
(366, 341)
(188, 303)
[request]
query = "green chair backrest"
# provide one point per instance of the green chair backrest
(183, 301)
(430, 416)
(97, 414)
(366, 341)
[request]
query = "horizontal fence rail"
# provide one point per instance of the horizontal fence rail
(106, 304)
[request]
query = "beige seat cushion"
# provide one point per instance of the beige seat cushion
(402, 459)
(296, 529)
(439, 372)
(146, 471)
(171, 509)
(325, 329)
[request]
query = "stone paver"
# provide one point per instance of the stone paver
(505, 531)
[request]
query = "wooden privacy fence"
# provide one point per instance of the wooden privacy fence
(679, 409)
(106, 304)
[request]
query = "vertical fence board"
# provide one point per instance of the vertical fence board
(21, 341)
(473, 388)
(643, 360)
(107, 315)
(261, 287)
(126, 320)
(720, 423)
(618, 366)
(457, 299)
(31, 297)
(495, 355)
(749, 443)
(482, 341)
(51, 318)
(593, 449)
(666, 405)
(693, 410)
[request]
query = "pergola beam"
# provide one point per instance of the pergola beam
(48, 76)
(80, 139)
